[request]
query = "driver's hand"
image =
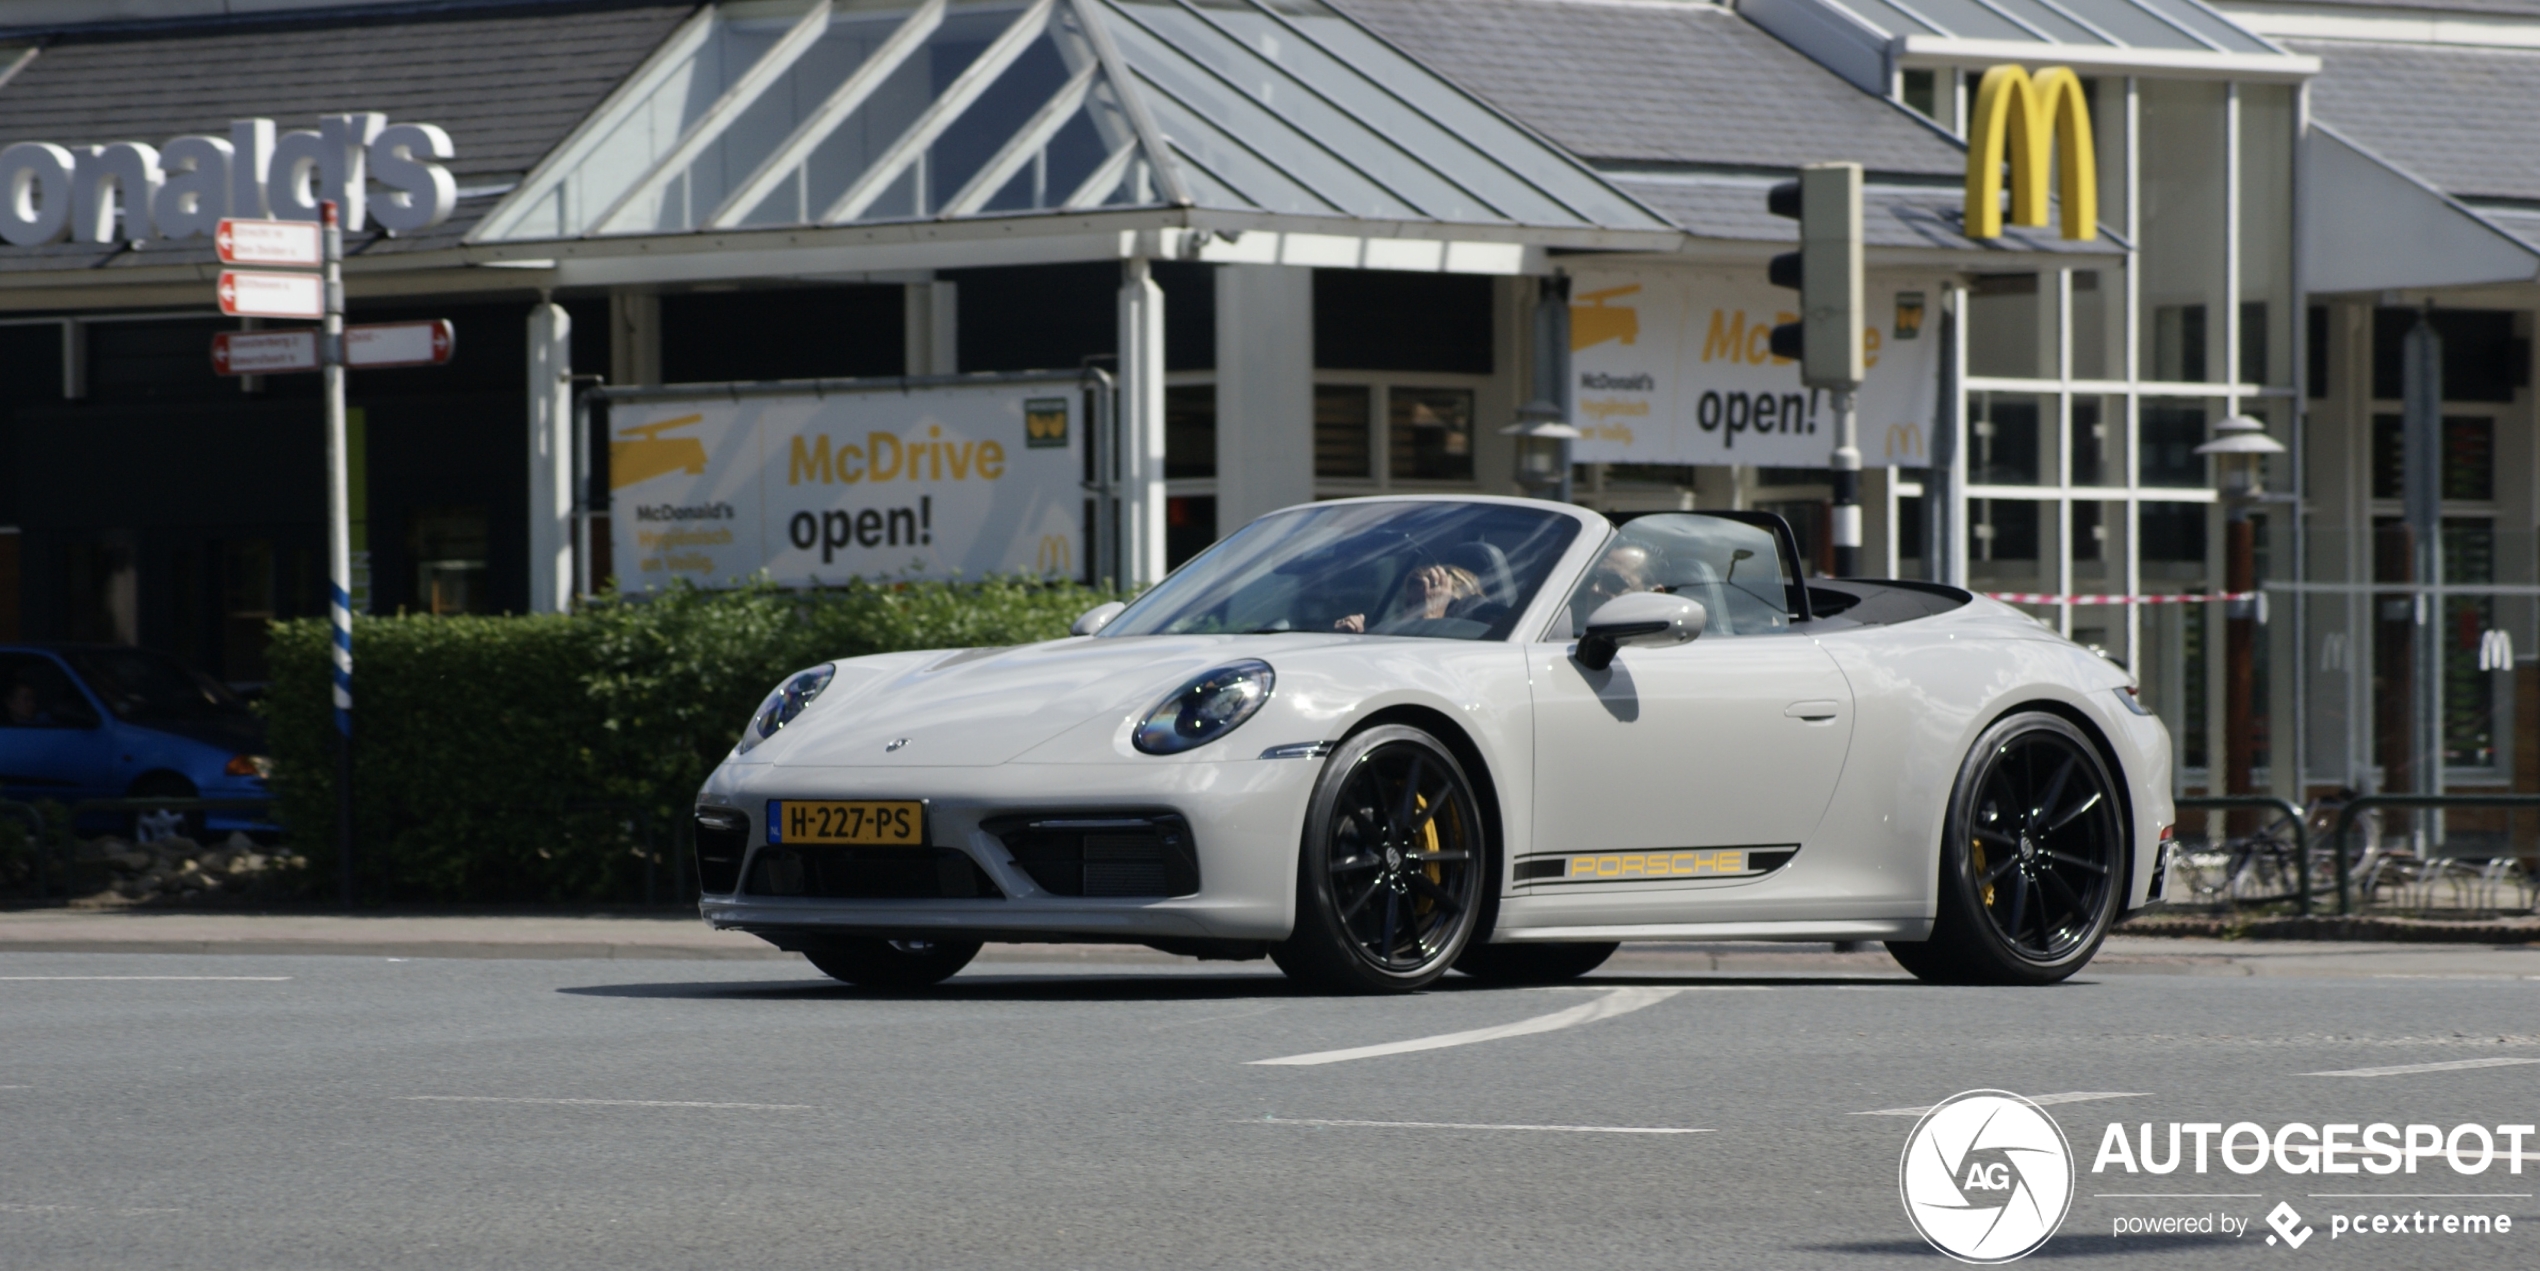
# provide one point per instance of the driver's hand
(1356, 622)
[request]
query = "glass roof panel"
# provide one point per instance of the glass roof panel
(1548, 169)
(1969, 20)
(2213, 26)
(1399, 171)
(2050, 20)
(783, 112)
(1889, 19)
(2138, 27)
(1501, 191)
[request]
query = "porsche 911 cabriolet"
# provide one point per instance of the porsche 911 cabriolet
(1379, 739)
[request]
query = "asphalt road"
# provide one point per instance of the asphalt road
(286, 1112)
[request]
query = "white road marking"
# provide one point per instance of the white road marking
(2041, 1100)
(1457, 1125)
(259, 979)
(2448, 1065)
(614, 1103)
(1622, 1001)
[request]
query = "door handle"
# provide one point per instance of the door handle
(1816, 712)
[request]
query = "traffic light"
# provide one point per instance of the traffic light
(1826, 271)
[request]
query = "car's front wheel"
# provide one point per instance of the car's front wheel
(892, 964)
(2032, 865)
(1390, 876)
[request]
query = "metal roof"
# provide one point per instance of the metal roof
(769, 113)
(1867, 41)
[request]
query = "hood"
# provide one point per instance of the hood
(237, 734)
(981, 707)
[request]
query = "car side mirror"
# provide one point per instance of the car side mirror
(1096, 618)
(1644, 618)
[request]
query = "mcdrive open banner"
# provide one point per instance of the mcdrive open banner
(1676, 367)
(927, 483)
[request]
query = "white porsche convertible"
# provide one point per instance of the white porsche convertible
(1376, 739)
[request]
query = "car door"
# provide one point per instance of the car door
(53, 744)
(1674, 769)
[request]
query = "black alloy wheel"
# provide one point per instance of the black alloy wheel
(1390, 875)
(2033, 871)
(892, 964)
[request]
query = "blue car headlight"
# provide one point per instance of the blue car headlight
(1210, 706)
(784, 704)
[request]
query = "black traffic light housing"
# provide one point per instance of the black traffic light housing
(1825, 271)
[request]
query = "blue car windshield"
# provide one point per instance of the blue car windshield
(1451, 571)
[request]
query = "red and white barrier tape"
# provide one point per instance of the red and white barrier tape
(2049, 598)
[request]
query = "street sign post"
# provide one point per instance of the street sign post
(246, 293)
(293, 244)
(339, 534)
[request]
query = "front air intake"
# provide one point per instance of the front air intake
(723, 838)
(1103, 853)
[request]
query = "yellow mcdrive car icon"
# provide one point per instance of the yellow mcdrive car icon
(1592, 324)
(652, 454)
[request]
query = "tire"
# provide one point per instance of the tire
(1390, 873)
(1533, 963)
(159, 826)
(2032, 859)
(892, 964)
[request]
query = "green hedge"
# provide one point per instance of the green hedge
(536, 758)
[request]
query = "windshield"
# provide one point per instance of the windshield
(1449, 571)
(141, 687)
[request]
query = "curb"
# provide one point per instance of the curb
(539, 950)
(2330, 927)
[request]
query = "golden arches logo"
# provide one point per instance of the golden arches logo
(1057, 555)
(2033, 117)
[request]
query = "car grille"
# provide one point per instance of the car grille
(870, 873)
(1103, 853)
(723, 838)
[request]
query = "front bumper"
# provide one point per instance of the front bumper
(1245, 818)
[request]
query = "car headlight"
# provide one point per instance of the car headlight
(784, 704)
(1209, 707)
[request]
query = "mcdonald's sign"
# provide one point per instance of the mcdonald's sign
(2022, 121)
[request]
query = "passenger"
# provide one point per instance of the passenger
(1431, 591)
(26, 708)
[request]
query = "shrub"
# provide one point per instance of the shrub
(539, 758)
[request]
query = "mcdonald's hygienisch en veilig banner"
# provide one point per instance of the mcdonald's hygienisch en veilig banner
(1674, 366)
(935, 483)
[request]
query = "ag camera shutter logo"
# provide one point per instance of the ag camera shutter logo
(1986, 1177)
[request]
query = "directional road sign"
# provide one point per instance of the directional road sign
(366, 346)
(242, 241)
(264, 352)
(251, 294)
(399, 343)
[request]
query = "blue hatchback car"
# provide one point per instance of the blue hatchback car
(104, 722)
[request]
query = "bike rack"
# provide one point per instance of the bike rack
(2301, 837)
(2354, 807)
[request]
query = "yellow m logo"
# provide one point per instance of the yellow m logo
(2036, 116)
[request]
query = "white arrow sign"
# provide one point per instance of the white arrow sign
(398, 343)
(247, 294)
(241, 241)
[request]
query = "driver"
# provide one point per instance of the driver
(1626, 567)
(1431, 591)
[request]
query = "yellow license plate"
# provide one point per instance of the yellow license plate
(859, 822)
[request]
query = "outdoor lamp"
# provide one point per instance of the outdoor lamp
(2243, 444)
(1543, 449)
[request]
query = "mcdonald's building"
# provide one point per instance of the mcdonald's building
(2202, 330)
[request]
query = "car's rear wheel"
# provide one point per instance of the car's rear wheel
(2032, 865)
(892, 964)
(1533, 963)
(1390, 875)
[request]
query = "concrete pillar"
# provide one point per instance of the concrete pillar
(1265, 391)
(1141, 424)
(550, 459)
(933, 312)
